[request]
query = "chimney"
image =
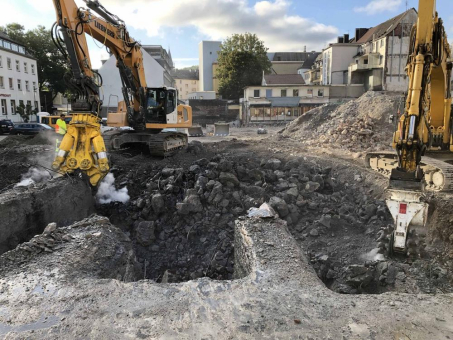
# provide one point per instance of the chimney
(305, 48)
(340, 40)
(360, 32)
(346, 38)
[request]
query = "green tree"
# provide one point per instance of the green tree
(25, 112)
(50, 62)
(242, 60)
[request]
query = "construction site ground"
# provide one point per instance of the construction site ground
(184, 258)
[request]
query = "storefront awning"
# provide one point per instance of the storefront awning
(284, 101)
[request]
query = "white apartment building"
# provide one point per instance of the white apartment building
(335, 62)
(18, 79)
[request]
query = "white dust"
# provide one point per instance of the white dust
(108, 193)
(33, 176)
(373, 255)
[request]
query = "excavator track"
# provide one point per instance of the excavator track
(438, 172)
(164, 144)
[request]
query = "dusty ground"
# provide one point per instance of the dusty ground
(286, 272)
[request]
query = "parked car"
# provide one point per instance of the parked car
(31, 129)
(6, 126)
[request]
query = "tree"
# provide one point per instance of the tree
(25, 112)
(242, 60)
(50, 62)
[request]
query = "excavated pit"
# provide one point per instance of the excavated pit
(181, 218)
(182, 211)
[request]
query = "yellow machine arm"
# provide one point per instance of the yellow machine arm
(426, 122)
(83, 147)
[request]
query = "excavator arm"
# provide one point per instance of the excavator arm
(83, 147)
(426, 121)
(424, 126)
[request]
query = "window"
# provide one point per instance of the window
(382, 42)
(365, 61)
(4, 107)
(21, 103)
(180, 81)
(310, 92)
(283, 93)
(19, 84)
(27, 86)
(320, 92)
(15, 48)
(34, 86)
(268, 93)
(7, 44)
(187, 86)
(8, 63)
(13, 107)
(36, 105)
(11, 85)
(194, 81)
(381, 59)
(32, 69)
(29, 103)
(1, 63)
(25, 68)
(2, 86)
(256, 93)
(295, 93)
(17, 66)
(21, 49)
(194, 90)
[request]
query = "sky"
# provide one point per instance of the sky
(179, 25)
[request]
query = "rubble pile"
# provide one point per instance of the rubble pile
(358, 125)
(91, 248)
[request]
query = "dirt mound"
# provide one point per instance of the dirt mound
(39, 139)
(358, 125)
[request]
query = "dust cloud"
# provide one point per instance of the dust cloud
(33, 176)
(107, 192)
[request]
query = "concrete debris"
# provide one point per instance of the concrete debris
(264, 211)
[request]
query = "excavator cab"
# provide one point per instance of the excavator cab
(160, 103)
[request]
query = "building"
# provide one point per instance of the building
(164, 59)
(336, 59)
(18, 79)
(308, 64)
(313, 76)
(282, 98)
(208, 54)
(381, 59)
(289, 62)
(112, 87)
(186, 81)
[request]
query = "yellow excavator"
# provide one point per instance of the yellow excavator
(146, 110)
(425, 128)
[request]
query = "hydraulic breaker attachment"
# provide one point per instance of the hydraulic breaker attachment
(410, 215)
(83, 148)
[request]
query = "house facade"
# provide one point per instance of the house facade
(381, 59)
(186, 81)
(335, 62)
(282, 98)
(18, 79)
(207, 53)
(164, 59)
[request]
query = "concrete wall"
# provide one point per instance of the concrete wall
(208, 55)
(211, 111)
(112, 85)
(25, 213)
(343, 91)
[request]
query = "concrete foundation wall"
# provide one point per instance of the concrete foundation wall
(25, 212)
(346, 91)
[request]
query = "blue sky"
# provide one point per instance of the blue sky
(283, 25)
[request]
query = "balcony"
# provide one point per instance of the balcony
(366, 62)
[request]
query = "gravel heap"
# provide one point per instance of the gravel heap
(358, 125)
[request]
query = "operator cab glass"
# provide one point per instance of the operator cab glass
(159, 103)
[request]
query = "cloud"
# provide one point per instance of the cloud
(379, 6)
(271, 20)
